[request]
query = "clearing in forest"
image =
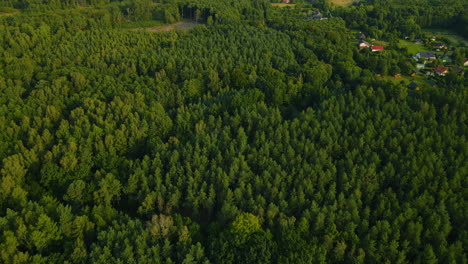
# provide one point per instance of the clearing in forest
(448, 34)
(6, 11)
(283, 5)
(412, 47)
(343, 3)
(183, 25)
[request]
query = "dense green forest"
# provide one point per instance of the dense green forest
(257, 136)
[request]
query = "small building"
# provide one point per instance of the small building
(425, 55)
(377, 48)
(316, 16)
(433, 38)
(420, 66)
(361, 35)
(458, 70)
(363, 44)
(413, 74)
(441, 70)
(414, 86)
(431, 83)
(286, 1)
(445, 58)
(418, 41)
(465, 63)
(397, 76)
(439, 46)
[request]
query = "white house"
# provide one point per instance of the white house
(425, 55)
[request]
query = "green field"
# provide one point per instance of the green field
(343, 3)
(412, 47)
(448, 34)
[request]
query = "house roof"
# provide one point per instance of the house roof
(426, 54)
(440, 69)
(439, 45)
(413, 85)
(377, 48)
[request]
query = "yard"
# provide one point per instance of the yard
(448, 34)
(412, 47)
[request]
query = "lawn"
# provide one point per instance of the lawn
(448, 34)
(412, 47)
(419, 79)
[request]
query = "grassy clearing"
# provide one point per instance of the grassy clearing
(283, 5)
(448, 34)
(7, 11)
(159, 27)
(412, 47)
(379, 43)
(343, 3)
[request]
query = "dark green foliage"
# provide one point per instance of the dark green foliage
(259, 138)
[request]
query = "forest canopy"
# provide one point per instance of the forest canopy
(257, 136)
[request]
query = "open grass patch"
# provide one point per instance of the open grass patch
(412, 47)
(8, 11)
(452, 36)
(159, 27)
(283, 5)
(343, 3)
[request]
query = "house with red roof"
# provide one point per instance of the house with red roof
(363, 44)
(377, 48)
(441, 70)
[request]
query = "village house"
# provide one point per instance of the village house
(425, 55)
(377, 48)
(420, 66)
(458, 70)
(418, 41)
(465, 63)
(414, 86)
(317, 16)
(439, 46)
(441, 70)
(431, 84)
(363, 44)
(445, 58)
